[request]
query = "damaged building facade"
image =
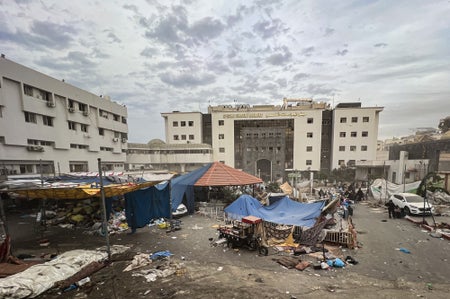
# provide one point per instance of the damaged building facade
(49, 126)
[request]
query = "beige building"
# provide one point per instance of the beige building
(157, 155)
(47, 122)
(271, 140)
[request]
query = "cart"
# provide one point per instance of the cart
(244, 233)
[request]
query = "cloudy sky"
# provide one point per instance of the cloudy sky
(159, 56)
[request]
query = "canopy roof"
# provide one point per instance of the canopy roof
(220, 174)
(82, 191)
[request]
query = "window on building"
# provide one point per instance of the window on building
(191, 137)
(308, 162)
(341, 162)
(47, 120)
(364, 148)
(343, 120)
(72, 125)
(221, 136)
(183, 137)
(221, 122)
(1, 111)
(30, 117)
(365, 119)
(101, 131)
(83, 128)
(309, 135)
(353, 134)
(71, 103)
(263, 135)
(175, 124)
(73, 145)
(191, 123)
(176, 137)
(182, 123)
(28, 90)
(310, 120)
(116, 117)
(309, 148)
(342, 148)
(221, 150)
(82, 107)
(124, 120)
(351, 163)
(354, 119)
(342, 134)
(364, 133)
(353, 148)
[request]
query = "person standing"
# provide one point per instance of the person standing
(391, 208)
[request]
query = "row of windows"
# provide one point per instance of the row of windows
(354, 119)
(40, 142)
(72, 104)
(352, 148)
(354, 134)
(183, 123)
(183, 137)
(80, 146)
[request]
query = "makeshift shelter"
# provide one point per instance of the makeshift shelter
(146, 204)
(212, 175)
(284, 211)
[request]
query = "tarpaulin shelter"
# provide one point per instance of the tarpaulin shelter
(211, 175)
(285, 211)
(146, 204)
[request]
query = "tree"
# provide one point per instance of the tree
(444, 125)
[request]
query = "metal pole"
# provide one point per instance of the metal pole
(105, 223)
(170, 198)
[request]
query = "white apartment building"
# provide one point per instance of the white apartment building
(49, 126)
(270, 140)
(355, 134)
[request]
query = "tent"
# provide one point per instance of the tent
(284, 211)
(211, 175)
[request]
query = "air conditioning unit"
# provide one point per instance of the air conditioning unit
(71, 109)
(51, 104)
(87, 136)
(115, 139)
(124, 140)
(85, 113)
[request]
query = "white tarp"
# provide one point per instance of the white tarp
(382, 189)
(39, 278)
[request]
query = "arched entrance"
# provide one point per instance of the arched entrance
(264, 169)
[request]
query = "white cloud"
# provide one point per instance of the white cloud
(156, 57)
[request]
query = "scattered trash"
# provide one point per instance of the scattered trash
(429, 286)
(83, 281)
(404, 250)
(350, 260)
(139, 260)
(219, 268)
(196, 227)
(160, 254)
(436, 235)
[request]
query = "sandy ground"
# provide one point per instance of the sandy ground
(208, 271)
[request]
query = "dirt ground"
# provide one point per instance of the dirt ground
(208, 271)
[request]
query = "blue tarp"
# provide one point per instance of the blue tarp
(183, 186)
(143, 205)
(284, 211)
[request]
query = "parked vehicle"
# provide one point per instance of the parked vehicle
(180, 211)
(412, 203)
